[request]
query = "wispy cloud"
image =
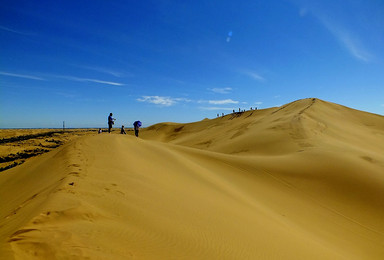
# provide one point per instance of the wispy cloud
(328, 16)
(162, 101)
(222, 102)
(254, 75)
(15, 31)
(90, 80)
(221, 90)
(347, 39)
(20, 76)
(114, 73)
(303, 11)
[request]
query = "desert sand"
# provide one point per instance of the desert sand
(302, 181)
(20, 145)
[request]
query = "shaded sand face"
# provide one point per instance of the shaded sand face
(304, 181)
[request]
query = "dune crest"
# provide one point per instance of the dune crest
(303, 181)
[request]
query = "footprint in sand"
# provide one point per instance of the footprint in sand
(19, 232)
(114, 190)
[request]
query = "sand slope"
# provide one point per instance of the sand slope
(304, 181)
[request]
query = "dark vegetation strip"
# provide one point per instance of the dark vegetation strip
(27, 137)
(31, 153)
(31, 136)
(22, 155)
(10, 166)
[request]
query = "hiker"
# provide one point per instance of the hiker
(100, 131)
(136, 126)
(111, 121)
(122, 131)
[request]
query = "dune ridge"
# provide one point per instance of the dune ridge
(303, 181)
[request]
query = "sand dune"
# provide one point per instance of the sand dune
(303, 181)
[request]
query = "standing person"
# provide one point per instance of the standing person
(137, 125)
(111, 121)
(122, 131)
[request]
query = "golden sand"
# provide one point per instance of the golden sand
(303, 181)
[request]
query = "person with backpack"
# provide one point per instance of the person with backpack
(111, 121)
(136, 126)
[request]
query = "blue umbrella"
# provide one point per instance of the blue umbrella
(138, 123)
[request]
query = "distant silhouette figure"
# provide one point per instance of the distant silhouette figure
(122, 131)
(111, 121)
(100, 131)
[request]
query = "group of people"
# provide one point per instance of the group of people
(111, 122)
(240, 111)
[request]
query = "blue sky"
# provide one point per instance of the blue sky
(183, 61)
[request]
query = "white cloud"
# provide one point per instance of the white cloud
(254, 75)
(163, 101)
(223, 102)
(20, 76)
(103, 82)
(91, 80)
(258, 103)
(221, 90)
